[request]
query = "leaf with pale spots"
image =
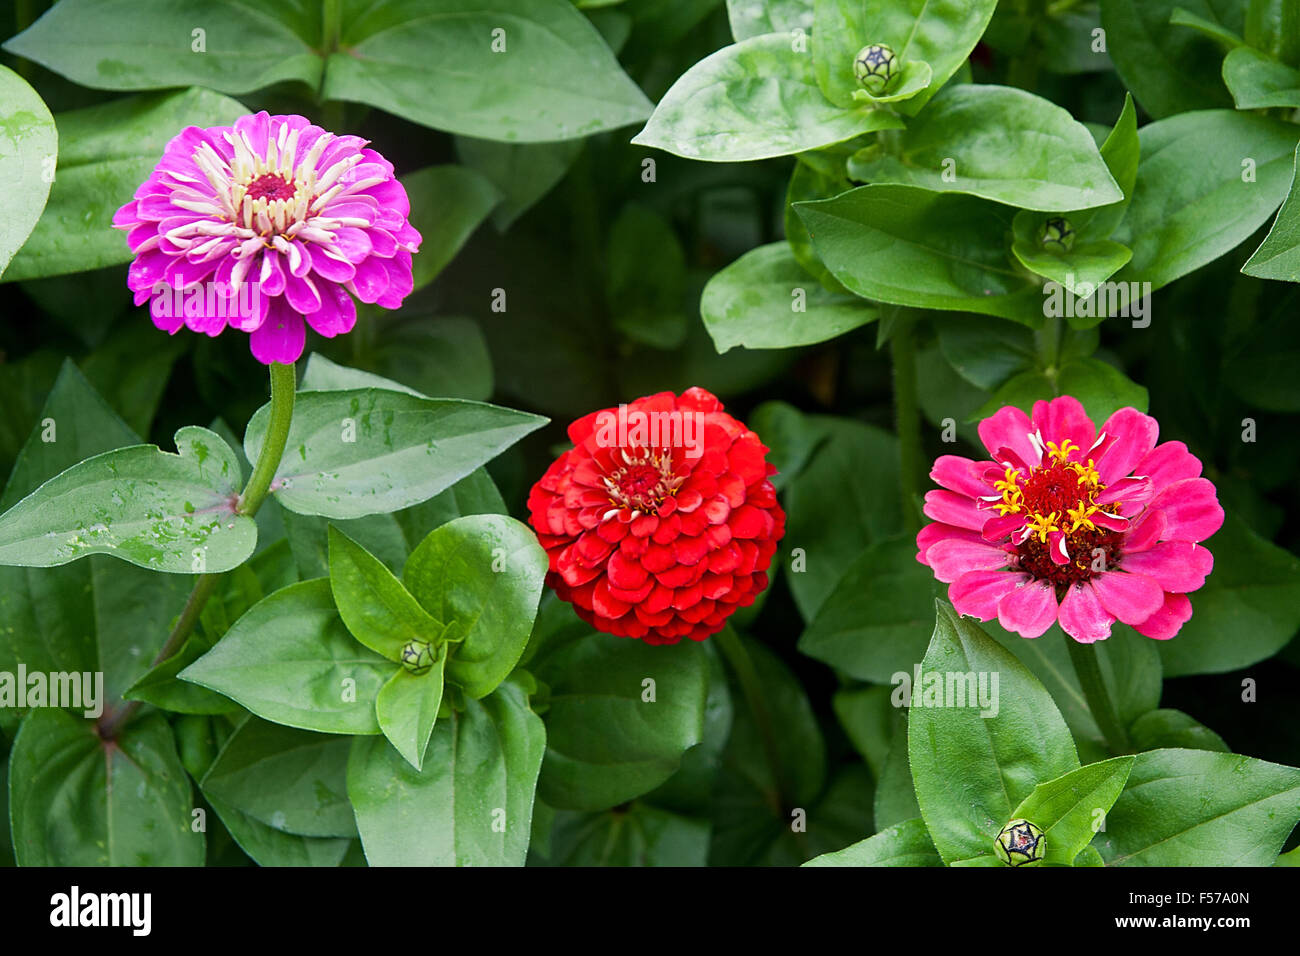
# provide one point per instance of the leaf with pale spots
(162, 511)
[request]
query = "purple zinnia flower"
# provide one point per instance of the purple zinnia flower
(264, 224)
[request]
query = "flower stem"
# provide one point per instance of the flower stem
(902, 351)
(1084, 658)
(283, 385)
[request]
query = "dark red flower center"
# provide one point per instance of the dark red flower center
(271, 186)
(641, 478)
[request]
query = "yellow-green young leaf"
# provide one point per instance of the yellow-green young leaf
(105, 153)
(1072, 808)
(291, 660)
(1196, 808)
(236, 46)
(765, 300)
(75, 801)
(161, 511)
(904, 844)
(407, 707)
(754, 100)
(481, 576)
(378, 611)
(751, 18)
(471, 805)
(364, 451)
(1257, 81)
(1042, 158)
(526, 71)
(28, 145)
(975, 759)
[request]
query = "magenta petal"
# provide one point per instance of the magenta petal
(1064, 418)
(271, 276)
(937, 531)
(1168, 463)
(1192, 510)
(1130, 597)
(977, 593)
(371, 280)
(1148, 529)
(1169, 620)
(952, 558)
(329, 268)
(1132, 491)
(952, 508)
(961, 475)
(1029, 610)
(280, 338)
(1130, 437)
(301, 293)
(165, 316)
(1002, 527)
(337, 314)
(1178, 566)
(1009, 427)
(1082, 615)
(400, 280)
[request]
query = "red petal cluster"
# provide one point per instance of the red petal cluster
(663, 541)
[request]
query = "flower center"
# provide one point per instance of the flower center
(643, 480)
(1066, 539)
(270, 186)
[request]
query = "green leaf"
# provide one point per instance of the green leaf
(527, 71)
(471, 805)
(754, 100)
(75, 801)
(833, 510)
(1101, 388)
(291, 660)
(447, 204)
(159, 685)
(1192, 203)
(404, 449)
(287, 779)
(1081, 270)
(645, 278)
(970, 770)
(872, 626)
(1122, 152)
(1052, 162)
(324, 375)
(1247, 611)
(1278, 256)
(638, 835)
(151, 44)
(105, 153)
(1195, 808)
(407, 707)
(790, 435)
(1257, 81)
(1071, 807)
(521, 172)
(1170, 68)
(765, 300)
(271, 847)
(913, 247)
(165, 512)
(1173, 728)
(378, 611)
(895, 800)
(904, 844)
(31, 143)
(941, 35)
(482, 576)
(621, 715)
(751, 18)
(444, 355)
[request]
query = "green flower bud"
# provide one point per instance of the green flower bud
(875, 67)
(1057, 235)
(418, 657)
(1020, 843)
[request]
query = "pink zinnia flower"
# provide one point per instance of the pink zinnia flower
(264, 224)
(1068, 524)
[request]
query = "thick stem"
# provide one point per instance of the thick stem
(902, 351)
(1084, 658)
(331, 15)
(283, 385)
(742, 665)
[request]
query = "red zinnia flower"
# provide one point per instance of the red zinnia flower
(1071, 525)
(660, 521)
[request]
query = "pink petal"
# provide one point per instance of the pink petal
(280, 338)
(1002, 527)
(1132, 491)
(1029, 610)
(337, 314)
(1191, 509)
(1063, 418)
(1149, 528)
(952, 558)
(1168, 463)
(1178, 566)
(1168, 620)
(1130, 436)
(952, 508)
(1128, 596)
(961, 475)
(938, 531)
(1009, 427)
(977, 593)
(1082, 615)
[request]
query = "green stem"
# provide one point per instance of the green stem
(1049, 346)
(1084, 658)
(902, 351)
(1289, 33)
(283, 385)
(742, 665)
(331, 15)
